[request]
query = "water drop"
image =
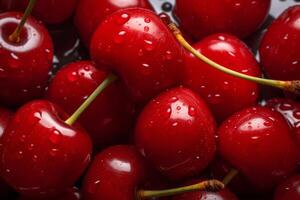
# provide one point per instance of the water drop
(93, 187)
(147, 20)
(285, 106)
(175, 124)
(120, 37)
(55, 137)
(53, 152)
(192, 111)
(122, 19)
(149, 45)
(72, 76)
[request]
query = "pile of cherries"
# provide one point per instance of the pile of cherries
(145, 115)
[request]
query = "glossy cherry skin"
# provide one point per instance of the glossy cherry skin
(258, 142)
(40, 154)
(224, 94)
(279, 47)
(90, 13)
(109, 118)
(49, 11)
(25, 65)
(138, 46)
(289, 189)
(69, 194)
(205, 17)
(116, 173)
(290, 110)
(175, 132)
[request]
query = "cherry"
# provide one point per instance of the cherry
(239, 17)
(40, 154)
(224, 194)
(49, 11)
(225, 94)
(70, 194)
(90, 13)
(137, 45)
(279, 46)
(290, 110)
(257, 141)
(109, 118)
(289, 189)
(25, 57)
(175, 132)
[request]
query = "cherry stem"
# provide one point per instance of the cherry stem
(230, 176)
(15, 36)
(292, 86)
(210, 185)
(74, 117)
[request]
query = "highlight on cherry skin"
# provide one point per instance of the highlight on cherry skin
(139, 109)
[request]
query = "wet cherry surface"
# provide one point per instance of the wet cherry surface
(289, 189)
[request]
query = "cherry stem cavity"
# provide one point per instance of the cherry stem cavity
(291, 86)
(209, 185)
(74, 117)
(15, 36)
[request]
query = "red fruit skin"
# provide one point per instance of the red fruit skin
(137, 45)
(49, 11)
(224, 194)
(289, 189)
(257, 141)
(280, 46)
(224, 94)
(110, 116)
(70, 194)
(40, 154)
(115, 173)
(290, 110)
(90, 13)
(24, 66)
(205, 17)
(175, 133)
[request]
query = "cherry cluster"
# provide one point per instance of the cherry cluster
(157, 111)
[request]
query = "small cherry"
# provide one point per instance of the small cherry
(176, 133)
(69, 194)
(137, 45)
(289, 189)
(279, 47)
(49, 11)
(257, 142)
(119, 172)
(205, 17)
(290, 85)
(42, 152)
(224, 194)
(224, 94)
(109, 119)
(290, 110)
(26, 54)
(90, 13)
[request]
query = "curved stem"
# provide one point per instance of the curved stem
(228, 178)
(73, 118)
(292, 86)
(211, 185)
(15, 36)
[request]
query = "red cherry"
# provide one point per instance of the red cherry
(90, 13)
(225, 94)
(257, 141)
(70, 194)
(25, 65)
(139, 47)
(40, 153)
(289, 189)
(115, 173)
(49, 11)
(202, 18)
(224, 194)
(290, 110)
(279, 47)
(175, 132)
(109, 118)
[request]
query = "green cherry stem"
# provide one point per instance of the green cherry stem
(292, 86)
(210, 185)
(230, 176)
(15, 36)
(74, 117)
